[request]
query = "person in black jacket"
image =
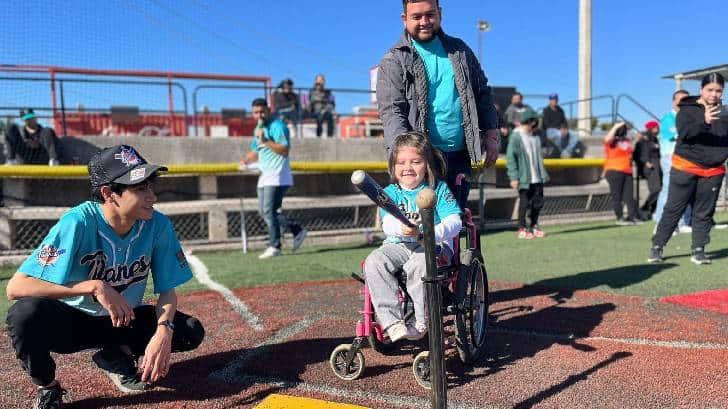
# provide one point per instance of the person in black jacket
(698, 167)
(648, 162)
(31, 144)
(553, 119)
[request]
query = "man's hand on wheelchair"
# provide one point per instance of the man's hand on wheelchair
(490, 140)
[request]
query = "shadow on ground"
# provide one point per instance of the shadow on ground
(561, 289)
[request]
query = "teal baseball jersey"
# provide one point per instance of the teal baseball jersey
(406, 200)
(83, 246)
(275, 169)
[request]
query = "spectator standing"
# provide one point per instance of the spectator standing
(698, 168)
(553, 119)
(79, 290)
(618, 172)
(668, 138)
(514, 110)
(527, 173)
(31, 144)
(270, 147)
(286, 104)
(648, 162)
(432, 83)
(322, 106)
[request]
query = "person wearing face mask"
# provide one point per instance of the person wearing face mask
(432, 83)
(698, 168)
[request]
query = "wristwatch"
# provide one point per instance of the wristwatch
(167, 323)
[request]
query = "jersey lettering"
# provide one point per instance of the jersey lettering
(115, 275)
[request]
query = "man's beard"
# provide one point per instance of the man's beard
(434, 32)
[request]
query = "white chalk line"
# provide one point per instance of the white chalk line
(233, 373)
(630, 341)
(203, 276)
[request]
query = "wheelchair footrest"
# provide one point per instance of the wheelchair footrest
(437, 279)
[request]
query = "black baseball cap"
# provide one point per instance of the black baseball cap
(120, 164)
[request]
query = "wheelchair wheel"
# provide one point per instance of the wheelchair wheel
(337, 361)
(472, 318)
(421, 369)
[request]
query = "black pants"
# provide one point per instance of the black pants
(458, 162)
(36, 151)
(39, 326)
(531, 198)
(686, 188)
(654, 185)
(328, 117)
(620, 187)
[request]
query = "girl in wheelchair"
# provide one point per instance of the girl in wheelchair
(413, 165)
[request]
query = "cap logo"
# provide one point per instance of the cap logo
(128, 157)
(137, 174)
(48, 255)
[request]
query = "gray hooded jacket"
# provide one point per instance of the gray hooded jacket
(402, 92)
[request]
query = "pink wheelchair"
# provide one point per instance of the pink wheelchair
(464, 286)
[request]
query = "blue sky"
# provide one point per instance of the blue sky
(532, 45)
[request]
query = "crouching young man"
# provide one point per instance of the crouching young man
(83, 287)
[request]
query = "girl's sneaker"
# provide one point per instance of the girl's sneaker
(416, 332)
(397, 331)
(537, 232)
(524, 233)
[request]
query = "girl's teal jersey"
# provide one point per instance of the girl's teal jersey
(83, 246)
(406, 200)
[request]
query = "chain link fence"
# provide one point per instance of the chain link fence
(25, 227)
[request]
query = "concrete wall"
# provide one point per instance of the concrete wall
(178, 150)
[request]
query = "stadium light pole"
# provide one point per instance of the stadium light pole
(585, 71)
(483, 26)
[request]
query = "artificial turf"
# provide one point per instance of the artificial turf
(597, 256)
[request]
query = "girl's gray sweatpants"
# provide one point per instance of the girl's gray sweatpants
(380, 269)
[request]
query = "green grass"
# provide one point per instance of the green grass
(606, 257)
(597, 256)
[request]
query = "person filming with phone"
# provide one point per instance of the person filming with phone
(698, 168)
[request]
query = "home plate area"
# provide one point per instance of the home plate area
(546, 348)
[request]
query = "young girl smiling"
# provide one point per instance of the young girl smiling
(413, 165)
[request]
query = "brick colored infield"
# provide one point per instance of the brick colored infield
(547, 349)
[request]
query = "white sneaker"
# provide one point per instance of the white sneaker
(416, 332)
(298, 239)
(397, 331)
(269, 252)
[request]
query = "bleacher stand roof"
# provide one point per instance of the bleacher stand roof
(698, 74)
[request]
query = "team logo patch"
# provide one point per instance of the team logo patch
(48, 255)
(137, 174)
(181, 259)
(128, 157)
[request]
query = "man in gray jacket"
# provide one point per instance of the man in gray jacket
(432, 83)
